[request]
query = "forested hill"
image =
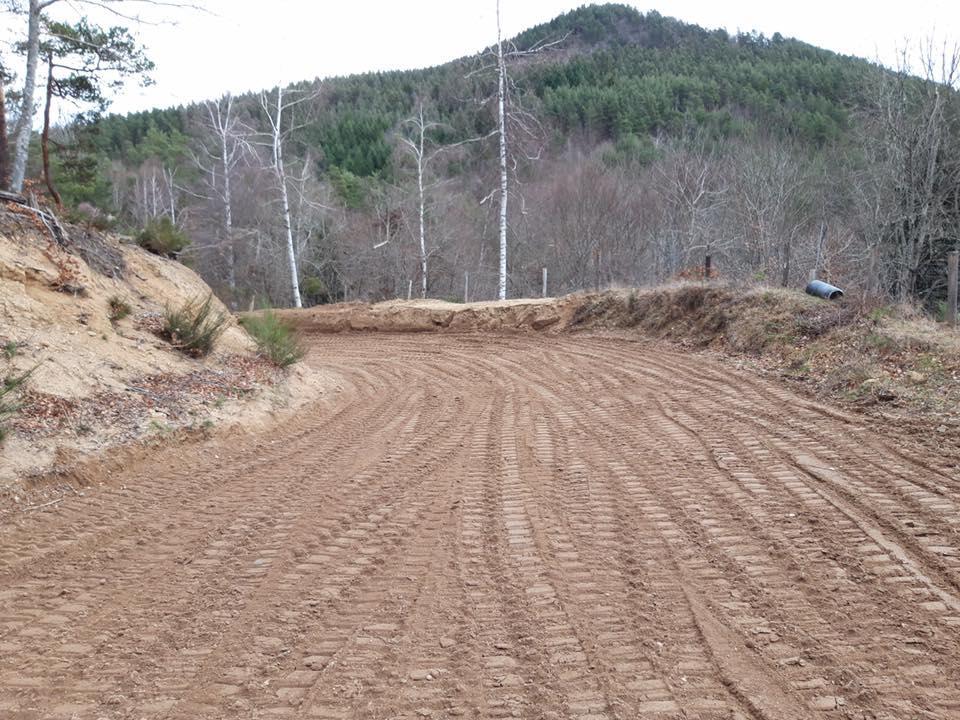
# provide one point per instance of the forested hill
(617, 71)
(637, 144)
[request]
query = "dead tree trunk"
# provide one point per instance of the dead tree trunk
(45, 137)
(4, 153)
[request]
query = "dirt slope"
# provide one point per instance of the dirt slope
(97, 384)
(436, 315)
(501, 526)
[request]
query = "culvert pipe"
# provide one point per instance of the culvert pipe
(820, 289)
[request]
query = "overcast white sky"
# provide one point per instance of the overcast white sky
(242, 45)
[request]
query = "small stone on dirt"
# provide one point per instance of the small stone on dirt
(446, 642)
(315, 662)
(827, 703)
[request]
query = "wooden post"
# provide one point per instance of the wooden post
(952, 262)
(409, 289)
(707, 263)
(543, 293)
(466, 286)
(596, 265)
(812, 276)
(873, 274)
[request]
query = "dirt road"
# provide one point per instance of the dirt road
(487, 526)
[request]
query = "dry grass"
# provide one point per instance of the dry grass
(195, 327)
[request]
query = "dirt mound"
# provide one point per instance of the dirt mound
(748, 322)
(883, 359)
(98, 382)
(434, 315)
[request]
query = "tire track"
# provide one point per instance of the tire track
(500, 526)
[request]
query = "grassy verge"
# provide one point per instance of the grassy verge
(195, 327)
(888, 358)
(277, 339)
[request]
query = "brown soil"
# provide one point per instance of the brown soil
(889, 362)
(489, 525)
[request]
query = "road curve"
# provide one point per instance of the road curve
(492, 526)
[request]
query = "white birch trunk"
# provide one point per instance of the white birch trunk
(228, 202)
(168, 179)
(423, 238)
(282, 181)
(228, 152)
(501, 102)
(21, 142)
(153, 193)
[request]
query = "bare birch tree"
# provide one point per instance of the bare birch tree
(418, 149)
(423, 151)
(217, 159)
(278, 136)
(4, 151)
(502, 125)
(510, 117)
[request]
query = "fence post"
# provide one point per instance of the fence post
(875, 271)
(952, 262)
(409, 289)
(707, 263)
(466, 286)
(543, 293)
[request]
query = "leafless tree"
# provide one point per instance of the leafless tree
(4, 152)
(278, 136)
(771, 205)
(220, 149)
(418, 148)
(511, 119)
(591, 224)
(693, 187)
(423, 151)
(912, 133)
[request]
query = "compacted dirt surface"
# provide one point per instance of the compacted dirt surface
(493, 526)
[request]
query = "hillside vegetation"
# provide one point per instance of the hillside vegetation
(656, 143)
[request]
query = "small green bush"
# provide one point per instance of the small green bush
(162, 237)
(195, 327)
(277, 339)
(119, 308)
(9, 390)
(10, 349)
